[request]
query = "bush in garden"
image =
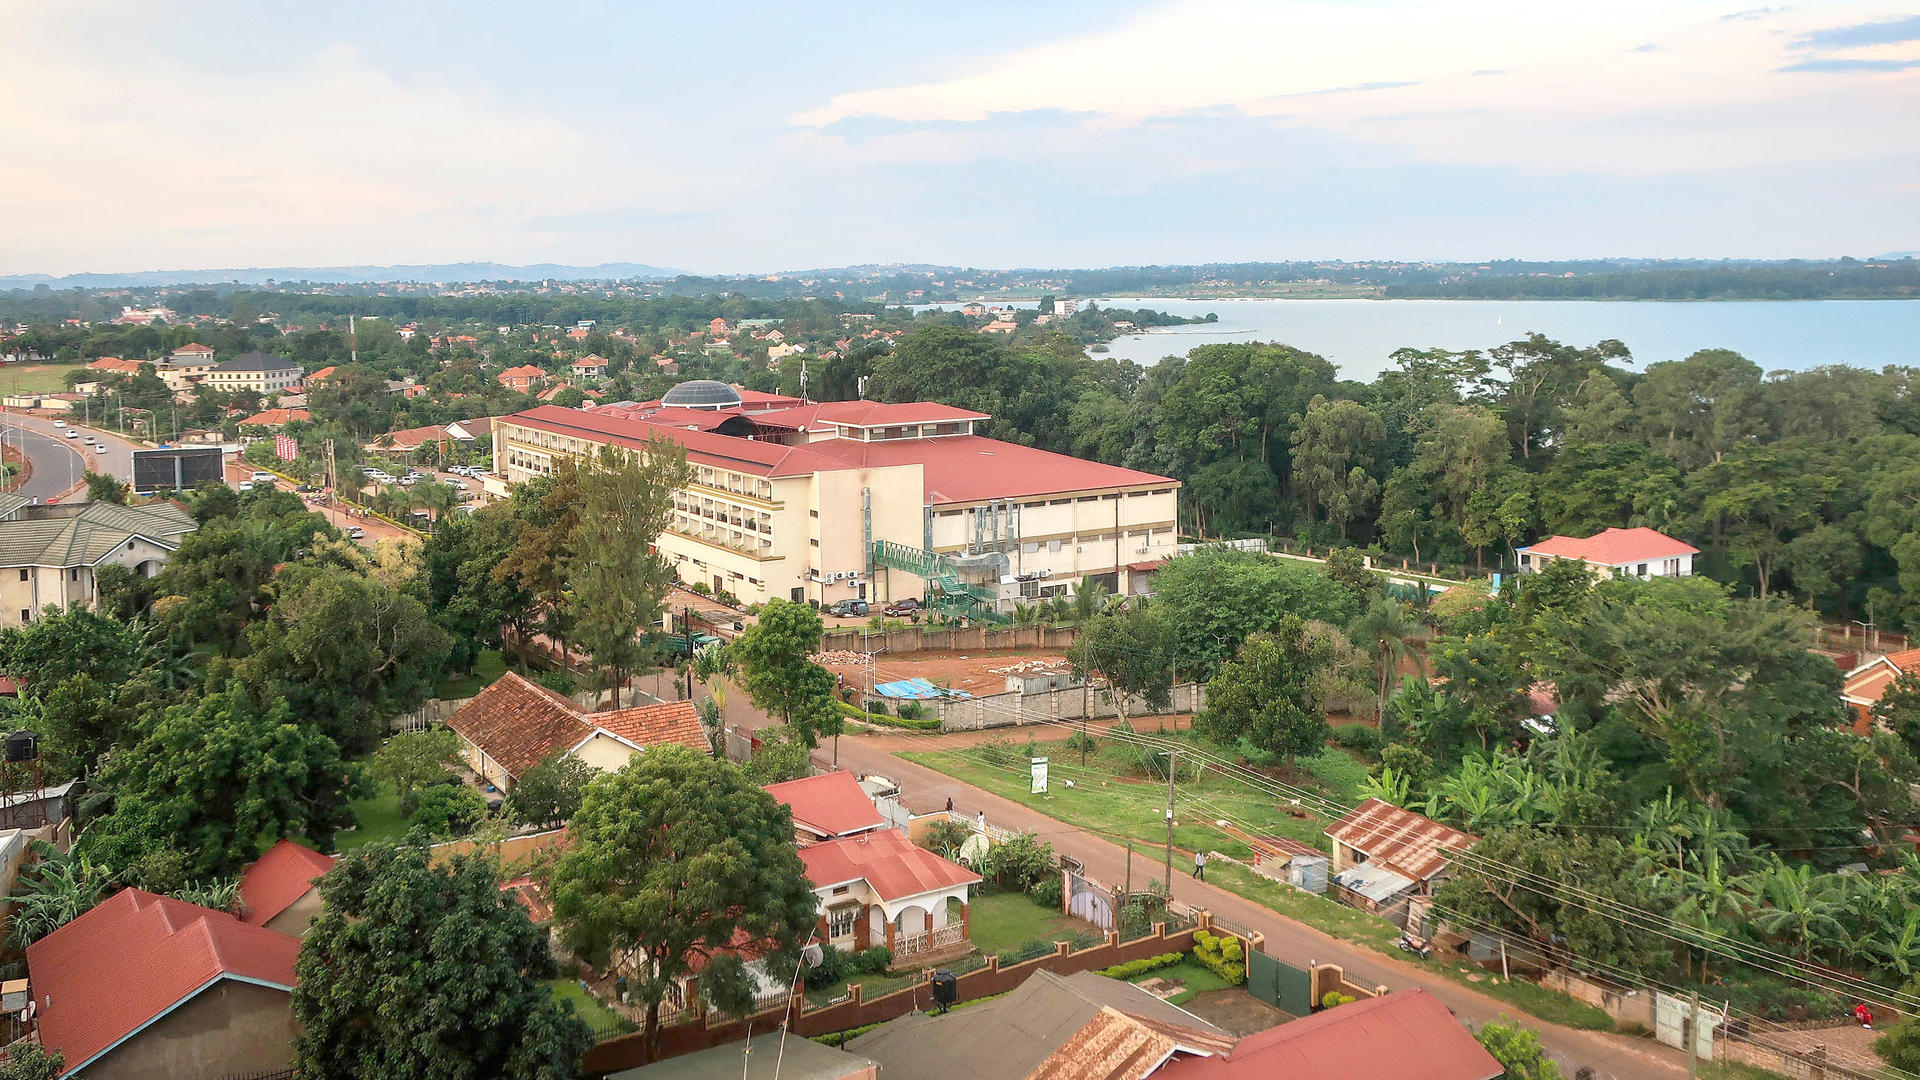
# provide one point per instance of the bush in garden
(1020, 863)
(1222, 955)
(1047, 892)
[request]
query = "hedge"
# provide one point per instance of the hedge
(1140, 967)
(854, 712)
(1222, 955)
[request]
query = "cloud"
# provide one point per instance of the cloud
(1886, 32)
(1842, 64)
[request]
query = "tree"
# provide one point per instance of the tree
(1823, 560)
(1900, 1046)
(775, 669)
(1696, 410)
(1270, 694)
(546, 512)
(104, 488)
(468, 600)
(447, 811)
(677, 862)
(31, 1061)
(218, 779)
(1518, 1051)
(412, 761)
(1132, 652)
(1552, 888)
(550, 793)
(417, 971)
(1898, 709)
(1215, 597)
(54, 890)
(1387, 628)
(1484, 678)
(1756, 499)
(616, 582)
(1335, 447)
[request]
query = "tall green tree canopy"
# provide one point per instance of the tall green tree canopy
(1270, 694)
(416, 971)
(673, 862)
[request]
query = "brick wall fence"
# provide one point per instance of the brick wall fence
(1073, 703)
(701, 1032)
(1798, 1064)
(971, 639)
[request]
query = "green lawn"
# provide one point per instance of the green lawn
(1111, 794)
(1000, 921)
(1198, 980)
(597, 1016)
(379, 818)
(35, 378)
(490, 665)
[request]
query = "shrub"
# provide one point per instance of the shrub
(1140, 967)
(876, 707)
(1047, 892)
(912, 710)
(1333, 998)
(872, 961)
(1357, 737)
(1020, 863)
(1222, 955)
(559, 680)
(831, 968)
(945, 838)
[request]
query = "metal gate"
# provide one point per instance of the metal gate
(1090, 901)
(1285, 987)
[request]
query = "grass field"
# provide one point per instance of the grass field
(490, 665)
(379, 818)
(35, 378)
(1198, 980)
(597, 1016)
(1005, 920)
(1117, 794)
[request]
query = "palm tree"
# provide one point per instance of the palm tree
(1090, 598)
(1388, 627)
(437, 499)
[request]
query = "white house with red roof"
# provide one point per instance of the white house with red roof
(1862, 688)
(146, 986)
(1638, 552)
(514, 724)
(867, 500)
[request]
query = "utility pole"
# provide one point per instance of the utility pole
(1173, 762)
(1129, 892)
(1688, 1032)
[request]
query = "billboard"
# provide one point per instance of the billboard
(176, 468)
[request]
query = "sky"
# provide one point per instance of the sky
(757, 138)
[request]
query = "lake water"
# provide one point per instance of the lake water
(1358, 335)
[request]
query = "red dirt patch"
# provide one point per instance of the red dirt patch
(969, 671)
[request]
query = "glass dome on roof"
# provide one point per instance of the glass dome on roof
(701, 394)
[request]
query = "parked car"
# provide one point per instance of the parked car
(407, 481)
(846, 609)
(901, 609)
(461, 484)
(355, 532)
(244, 486)
(262, 478)
(460, 470)
(677, 645)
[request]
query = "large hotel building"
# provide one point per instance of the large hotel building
(861, 499)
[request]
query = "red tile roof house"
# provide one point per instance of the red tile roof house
(828, 807)
(280, 889)
(1641, 553)
(1382, 855)
(593, 366)
(275, 418)
(524, 377)
(1863, 687)
(878, 888)
(1405, 1036)
(149, 987)
(514, 724)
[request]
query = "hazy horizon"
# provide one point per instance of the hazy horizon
(1132, 132)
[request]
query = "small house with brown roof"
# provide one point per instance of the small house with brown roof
(1863, 687)
(524, 377)
(1383, 854)
(827, 807)
(281, 889)
(515, 724)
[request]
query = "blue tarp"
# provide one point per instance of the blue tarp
(914, 689)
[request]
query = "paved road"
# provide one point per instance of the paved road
(373, 529)
(57, 465)
(925, 790)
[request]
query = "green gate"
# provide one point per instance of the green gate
(1283, 986)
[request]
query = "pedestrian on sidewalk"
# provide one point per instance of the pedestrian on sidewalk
(949, 804)
(1200, 865)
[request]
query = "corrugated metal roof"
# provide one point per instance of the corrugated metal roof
(1401, 840)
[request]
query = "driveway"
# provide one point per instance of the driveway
(375, 529)
(924, 790)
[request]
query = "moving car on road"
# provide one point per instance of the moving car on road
(73, 435)
(355, 532)
(262, 478)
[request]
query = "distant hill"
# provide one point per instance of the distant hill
(345, 275)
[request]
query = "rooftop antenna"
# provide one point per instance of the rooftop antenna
(862, 393)
(803, 381)
(353, 343)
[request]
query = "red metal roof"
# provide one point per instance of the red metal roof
(1409, 1035)
(973, 468)
(863, 413)
(1400, 840)
(740, 455)
(892, 866)
(133, 959)
(829, 805)
(270, 884)
(1614, 547)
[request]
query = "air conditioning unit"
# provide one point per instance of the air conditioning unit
(1141, 550)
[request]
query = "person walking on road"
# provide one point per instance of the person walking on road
(1200, 865)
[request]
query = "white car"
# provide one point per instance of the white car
(460, 470)
(73, 434)
(356, 533)
(244, 485)
(262, 478)
(451, 482)
(407, 481)
(59, 423)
